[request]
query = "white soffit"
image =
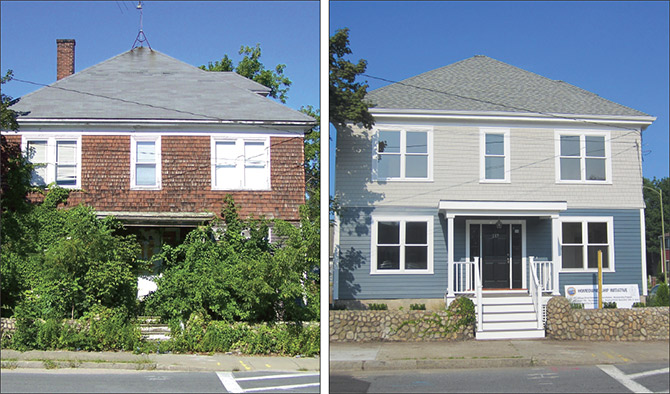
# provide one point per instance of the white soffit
(501, 208)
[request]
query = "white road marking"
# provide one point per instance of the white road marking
(649, 373)
(624, 379)
(294, 375)
(229, 382)
(292, 386)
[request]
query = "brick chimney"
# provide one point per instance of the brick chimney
(64, 58)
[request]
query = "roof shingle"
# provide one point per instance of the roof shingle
(481, 83)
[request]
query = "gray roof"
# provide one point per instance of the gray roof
(480, 83)
(147, 84)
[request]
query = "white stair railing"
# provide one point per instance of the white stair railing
(478, 292)
(536, 289)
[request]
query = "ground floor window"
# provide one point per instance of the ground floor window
(402, 245)
(581, 239)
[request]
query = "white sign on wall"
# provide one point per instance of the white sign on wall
(623, 295)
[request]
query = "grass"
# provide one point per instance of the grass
(9, 365)
(50, 364)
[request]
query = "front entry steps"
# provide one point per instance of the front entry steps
(508, 315)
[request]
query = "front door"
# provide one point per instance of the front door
(495, 256)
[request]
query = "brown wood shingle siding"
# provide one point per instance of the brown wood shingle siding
(186, 178)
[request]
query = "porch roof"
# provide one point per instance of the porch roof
(501, 208)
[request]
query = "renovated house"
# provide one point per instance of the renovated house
(484, 180)
(158, 143)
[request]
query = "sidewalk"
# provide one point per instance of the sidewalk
(163, 362)
(490, 354)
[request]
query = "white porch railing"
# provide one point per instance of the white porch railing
(544, 270)
(468, 281)
(542, 280)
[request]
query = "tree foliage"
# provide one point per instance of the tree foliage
(251, 67)
(230, 271)
(346, 96)
(15, 169)
(652, 214)
(67, 260)
(313, 165)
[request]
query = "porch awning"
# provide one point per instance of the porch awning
(501, 208)
(159, 219)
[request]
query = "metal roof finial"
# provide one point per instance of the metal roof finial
(141, 37)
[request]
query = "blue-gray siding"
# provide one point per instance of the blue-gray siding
(355, 281)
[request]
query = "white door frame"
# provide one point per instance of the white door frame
(506, 222)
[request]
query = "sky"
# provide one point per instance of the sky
(193, 32)
(618, 50)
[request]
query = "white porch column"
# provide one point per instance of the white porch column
(450, 255)
(336, 259)
(555, 251)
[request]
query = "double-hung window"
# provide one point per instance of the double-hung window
(403, 153)
(583, 157)
(55, 159)
(402, 245)
(145, 163)
(240, 163)
(581, 239)
(494, 155)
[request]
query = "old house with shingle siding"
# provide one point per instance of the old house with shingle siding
(158, 143)
(481, 179)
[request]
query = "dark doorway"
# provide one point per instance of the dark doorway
(495, 256)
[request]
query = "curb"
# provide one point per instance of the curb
(381, 365)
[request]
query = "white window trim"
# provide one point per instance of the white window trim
(582, 155)
(482, 154)
(403, 148)
(239, 144)
(584, 220)
(403, 219)
(133, 157)
(52, 139)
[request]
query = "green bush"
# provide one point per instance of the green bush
(237, 275)
(639, 305)
(661, 298)
(576, 305)
(609, 305)
(417, 307)
(377, 307)
(464, 308)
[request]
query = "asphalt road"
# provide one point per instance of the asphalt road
(648, 377)
(118, 381)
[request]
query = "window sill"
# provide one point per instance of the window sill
(606, 182)
(494, 181)
(399, 180)
(218, 189)
(150, 188)
(393, 272)
(584, 271)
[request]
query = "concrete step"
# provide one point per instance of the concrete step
(156, 337)
(509, 316)
(154, 327)
(510, 334)
(148, 319)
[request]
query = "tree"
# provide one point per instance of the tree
(313, 165)
(347, 97)
(251, 67)
(652, 216)
(15, 170)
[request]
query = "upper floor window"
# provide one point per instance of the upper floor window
(240, 163)
(582, 238)
(402, 245)
(55, 159)
(145, 162)
(583, 157)
(403, 154)
(494, 153)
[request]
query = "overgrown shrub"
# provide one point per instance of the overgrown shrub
(464, 309)
(231, 272)
(377, 307)
(609, 305)
(661, 298)
(417, 307)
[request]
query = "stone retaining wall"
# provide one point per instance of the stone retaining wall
(405, 326)
(636, 324)
(7, 324)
